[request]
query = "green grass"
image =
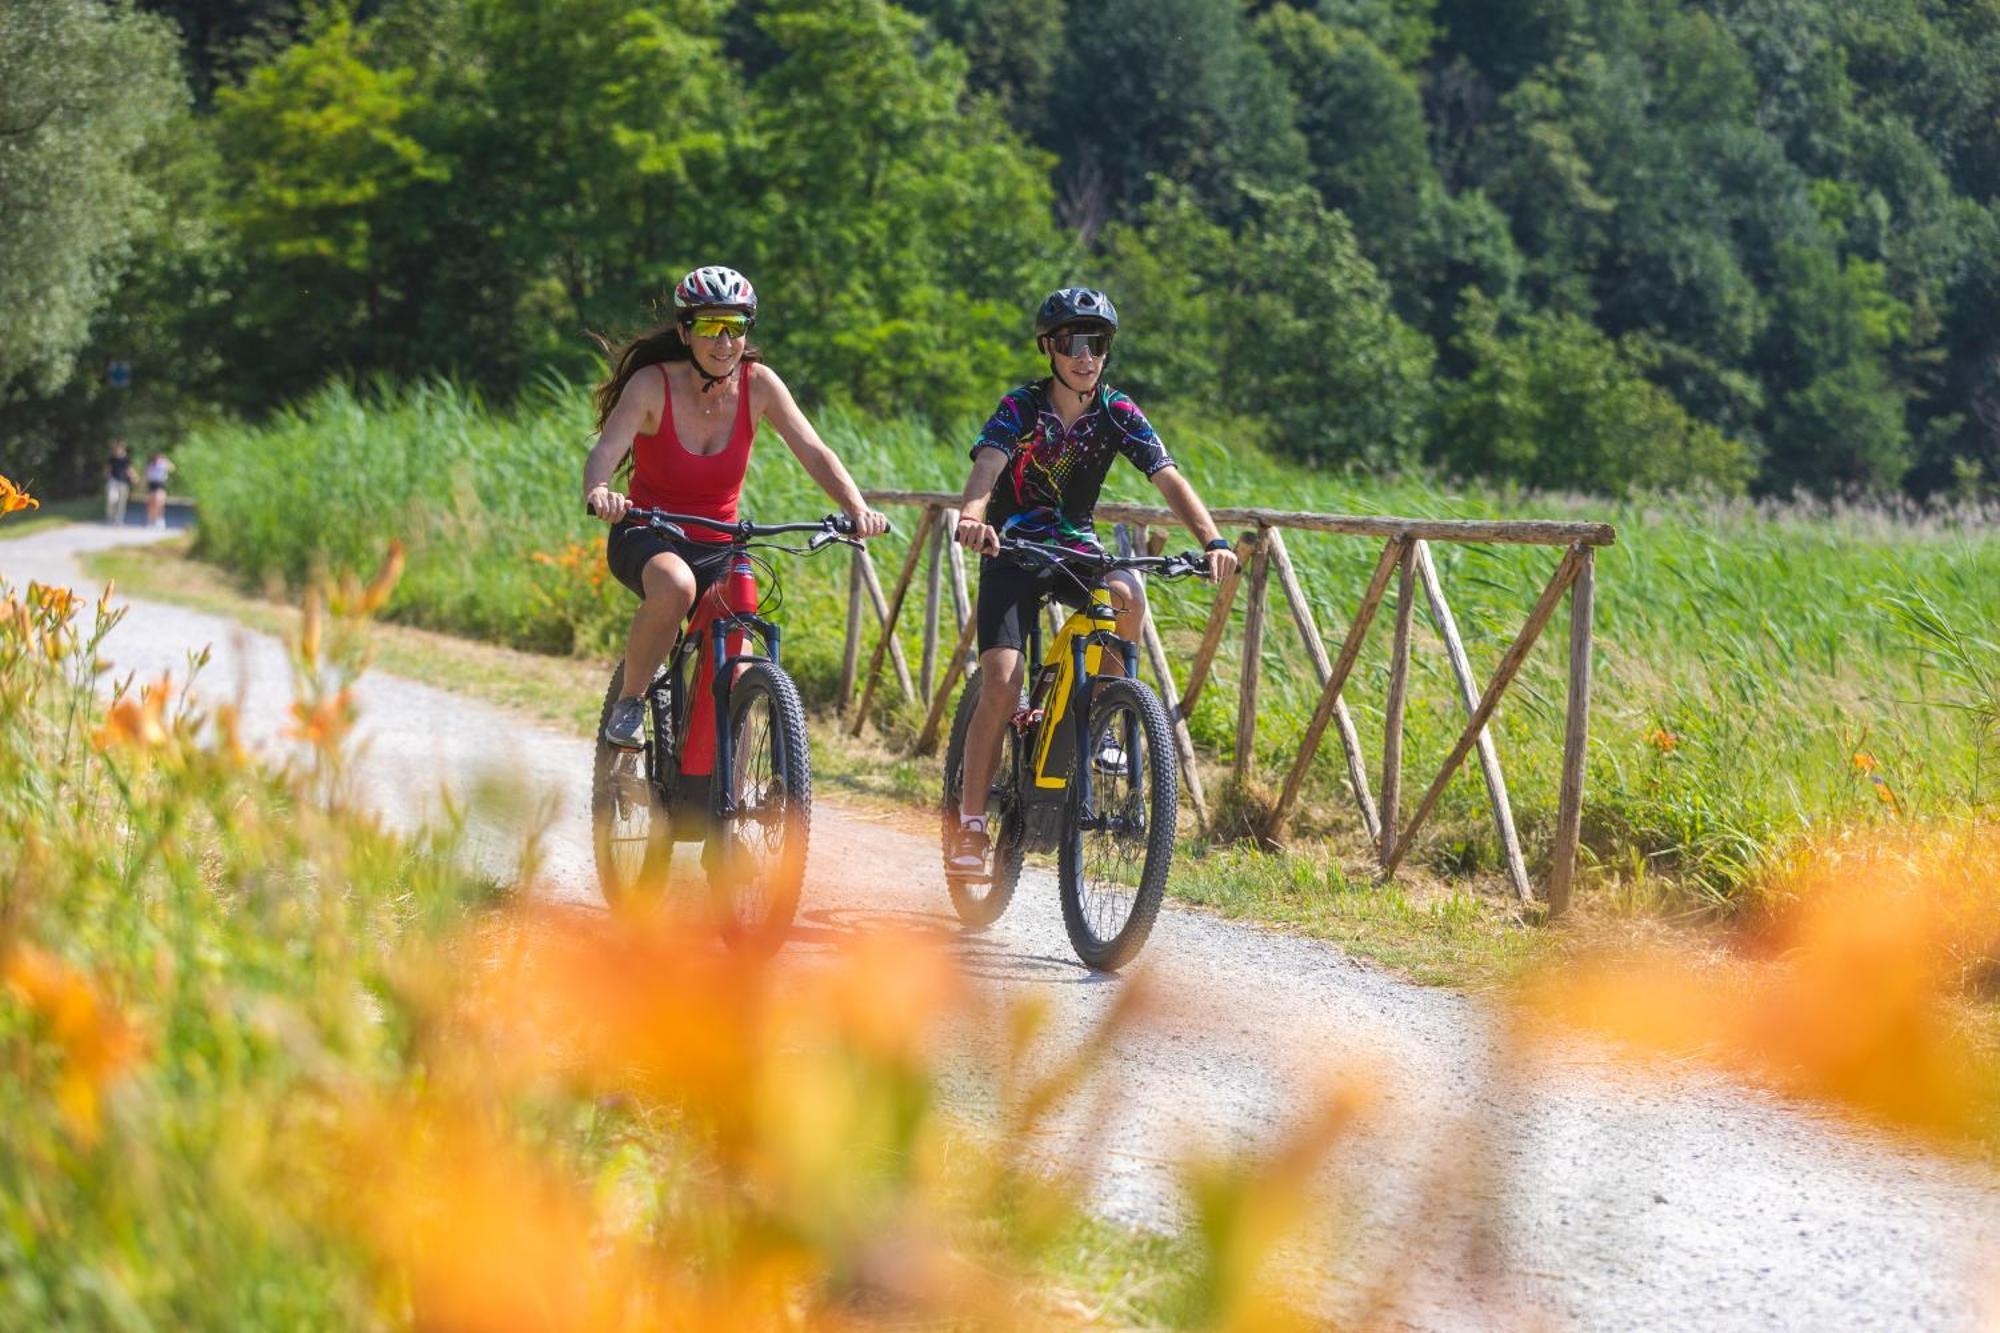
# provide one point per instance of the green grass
(53, 514)
(1765, 642)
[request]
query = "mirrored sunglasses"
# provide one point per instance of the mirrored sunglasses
(1076, 344)
(715, 326)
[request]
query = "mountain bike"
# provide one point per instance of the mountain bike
(1110, 819)
(743, 788)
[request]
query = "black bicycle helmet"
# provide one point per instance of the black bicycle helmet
(1075, 305)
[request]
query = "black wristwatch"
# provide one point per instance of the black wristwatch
(1220, 544)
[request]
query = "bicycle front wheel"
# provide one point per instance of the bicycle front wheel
(756, 856)
(631, 839)
(1116, 851)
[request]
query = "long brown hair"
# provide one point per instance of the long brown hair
(659, 344)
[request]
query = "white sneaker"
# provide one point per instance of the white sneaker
(968, 848)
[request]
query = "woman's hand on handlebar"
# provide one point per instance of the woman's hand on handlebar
(1221, 563)
(607, 504)
(868, 522)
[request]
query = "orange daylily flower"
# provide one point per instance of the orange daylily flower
(1864, 762)
(1666, 742)
(12, 497)
(141, 723)
(324, 724)
(57, 601)
(97, 1044)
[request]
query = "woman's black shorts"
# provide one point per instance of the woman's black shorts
(1010, 597)
(631, 545)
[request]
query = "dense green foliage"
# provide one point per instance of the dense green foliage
(1597, 245)
(1745, 657)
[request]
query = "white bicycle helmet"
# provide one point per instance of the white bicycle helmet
(712, 286)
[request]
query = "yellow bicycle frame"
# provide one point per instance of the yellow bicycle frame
(1098, 616)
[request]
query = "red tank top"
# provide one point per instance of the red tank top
(665, 475)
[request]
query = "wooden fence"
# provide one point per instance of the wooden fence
(1406, 559)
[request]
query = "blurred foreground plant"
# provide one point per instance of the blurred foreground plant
(1848, 995)
(270, 1066)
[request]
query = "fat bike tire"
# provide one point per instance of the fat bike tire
(756, 858)
(1112, 880)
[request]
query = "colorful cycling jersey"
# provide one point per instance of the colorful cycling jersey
(1053, 476)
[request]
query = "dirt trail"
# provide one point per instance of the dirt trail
(1581, 1194)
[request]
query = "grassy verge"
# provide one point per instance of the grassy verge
(53, 514)
(1459, 931)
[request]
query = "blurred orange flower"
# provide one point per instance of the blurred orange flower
(1851, 1005)
(377, 592)
(1666, 742)
(95, 1042)
(141, 723)
(12, 497)
(325, 724)
(1864, 762)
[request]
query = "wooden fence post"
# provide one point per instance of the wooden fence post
(850, 653)
(933, 593)
(1218, 621)
(876, 600)
(895, 609)
(954, 668)
(1392, 713)
(1343, 721)
(1576, 731)
(1510, 662)
(1253, 652)
(1350, 652)
(1468, 692)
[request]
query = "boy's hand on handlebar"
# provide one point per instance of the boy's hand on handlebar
(1221, 564)
(977, 536)
(607, 504)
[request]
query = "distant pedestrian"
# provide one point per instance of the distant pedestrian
(158, 468)
(117, 483)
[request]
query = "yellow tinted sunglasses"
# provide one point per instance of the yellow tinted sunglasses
(715, 326)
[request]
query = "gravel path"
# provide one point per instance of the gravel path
(1576, 1194)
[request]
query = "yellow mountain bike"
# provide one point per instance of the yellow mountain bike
(1109, 819)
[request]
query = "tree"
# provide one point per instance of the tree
(1283, 321)
(317, 151)
(85, 87)
(1168, 88)
(902, 228)
(1553, 403)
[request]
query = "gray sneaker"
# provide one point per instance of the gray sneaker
(626, 727)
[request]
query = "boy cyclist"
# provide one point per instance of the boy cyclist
(1037, 468)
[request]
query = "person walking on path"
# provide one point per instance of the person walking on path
(158, 468)
(117, 483)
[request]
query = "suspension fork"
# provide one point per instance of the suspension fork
(725, 741)
(1079, 711)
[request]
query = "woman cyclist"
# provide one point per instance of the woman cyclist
(1037, 468)
(685, 400)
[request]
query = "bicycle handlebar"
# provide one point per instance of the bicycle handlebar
(1166, 566)
(832, 526)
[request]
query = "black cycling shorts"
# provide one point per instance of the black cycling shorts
(631, 545)
(1011, 596)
